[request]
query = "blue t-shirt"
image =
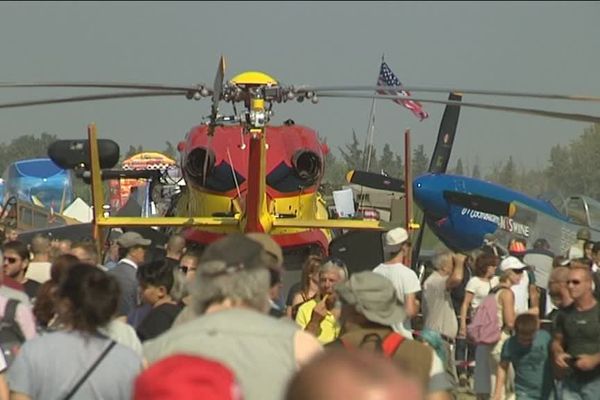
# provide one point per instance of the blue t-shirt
(533, 377)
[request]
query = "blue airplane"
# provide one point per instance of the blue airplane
(461, 210)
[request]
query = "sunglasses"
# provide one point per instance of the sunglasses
(335, 261)
(573, 282)
(10, 260)
(185, 269)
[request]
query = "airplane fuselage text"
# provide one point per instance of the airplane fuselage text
(504, 223)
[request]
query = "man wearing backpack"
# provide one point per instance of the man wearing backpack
(369, 309)
(17, 324)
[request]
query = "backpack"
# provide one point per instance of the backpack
(484, 327)
(11, 336)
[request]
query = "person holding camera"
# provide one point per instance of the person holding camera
(320, 315)
(576, 339)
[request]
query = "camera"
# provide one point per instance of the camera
(571, 362)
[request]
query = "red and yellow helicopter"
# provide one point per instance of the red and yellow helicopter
(241, 173)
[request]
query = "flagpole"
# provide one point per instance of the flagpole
(369, 139)
(371, 126)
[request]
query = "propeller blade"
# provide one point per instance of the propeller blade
(520, 110)
(445, 138)
(441, 155)
(375, 181)
(75, 99)
(427, 89)
(479, 203)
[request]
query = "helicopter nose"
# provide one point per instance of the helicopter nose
(428, 194)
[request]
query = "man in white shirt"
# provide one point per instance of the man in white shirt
(39, 267)
(404, 279)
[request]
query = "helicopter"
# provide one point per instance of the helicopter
(241, 172)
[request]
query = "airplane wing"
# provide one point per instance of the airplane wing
(167, 221)
(333, 224)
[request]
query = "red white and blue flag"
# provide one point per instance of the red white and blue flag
(387, 78)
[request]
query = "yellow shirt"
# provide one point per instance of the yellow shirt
(330, 329)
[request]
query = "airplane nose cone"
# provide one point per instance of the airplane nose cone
(428, 194)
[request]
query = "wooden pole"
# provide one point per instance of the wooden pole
(408, 219)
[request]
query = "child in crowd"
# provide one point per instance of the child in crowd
(528, 351)
(156, 281)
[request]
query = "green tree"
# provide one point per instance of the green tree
(170, 150)
(334, 174)
(559, 173)
(390, 163)
(353, 155)
(459, 167)
(133, 151)
(585, 158)
(508, 174)
(23, 147)
(420, 161)
(476, 172)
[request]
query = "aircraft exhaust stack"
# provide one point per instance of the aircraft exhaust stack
(308, 166)
(198, 167)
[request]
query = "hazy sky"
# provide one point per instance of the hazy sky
(540, 47)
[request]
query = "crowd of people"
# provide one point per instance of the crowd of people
(502, 322)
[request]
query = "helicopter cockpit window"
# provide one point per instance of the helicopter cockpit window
(593, 208)
(576, 210)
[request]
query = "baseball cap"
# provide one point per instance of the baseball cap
(394, 239)
(131, 239)
(373, 296)
(490, 237)
(511, 263)
(517, 248)
(541, 243)
(269, 244)
(187, 377)
(584, 234)
(235, 251)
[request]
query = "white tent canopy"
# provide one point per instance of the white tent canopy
(79, 210)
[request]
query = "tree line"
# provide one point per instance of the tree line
(571, 169)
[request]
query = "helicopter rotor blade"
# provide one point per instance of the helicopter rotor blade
(520, 110)
(108, 85)
(95, 97)
(216, 96)
(427, 89)
(301, 89)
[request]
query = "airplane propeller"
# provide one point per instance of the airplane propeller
(441, 156)
(375, 181)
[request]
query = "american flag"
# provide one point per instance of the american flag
(387, 78)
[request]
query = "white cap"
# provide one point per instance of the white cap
(511, 263)
(394, 239)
